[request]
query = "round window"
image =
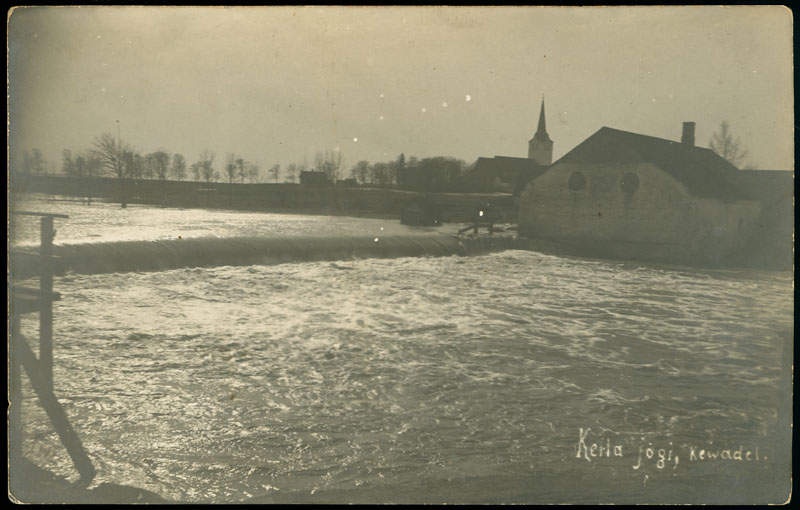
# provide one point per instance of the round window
(577, 181)
(629, 183)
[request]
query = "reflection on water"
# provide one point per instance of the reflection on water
(103, 222)
(361, 376)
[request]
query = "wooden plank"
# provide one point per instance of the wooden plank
(59, 419)
(40, 214)
(25, 300)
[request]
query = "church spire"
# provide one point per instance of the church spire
(540, 147)
(541, 130)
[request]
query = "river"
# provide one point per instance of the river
(512, 377)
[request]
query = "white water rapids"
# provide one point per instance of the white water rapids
(450, 379)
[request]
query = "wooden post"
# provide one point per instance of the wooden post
(40, 371)
(46, 301)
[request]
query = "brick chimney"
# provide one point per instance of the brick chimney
(688, 133)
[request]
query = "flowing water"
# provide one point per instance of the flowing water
(449, 379)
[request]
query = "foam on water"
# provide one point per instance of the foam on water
(403, 376)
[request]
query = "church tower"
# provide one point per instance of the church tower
(540, 147)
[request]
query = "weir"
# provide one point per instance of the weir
(97, 258)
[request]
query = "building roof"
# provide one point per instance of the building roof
(704, 173)
(767, 185)
(507, 166)
(514, 171)
(511, 162)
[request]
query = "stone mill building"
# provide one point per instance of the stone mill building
(626, 195)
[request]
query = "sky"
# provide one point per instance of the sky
(277, 85)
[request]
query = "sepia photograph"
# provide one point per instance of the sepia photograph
(400, 254)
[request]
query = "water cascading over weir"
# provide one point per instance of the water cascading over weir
(124, 256)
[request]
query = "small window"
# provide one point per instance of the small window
(577, 181)
(629, 183)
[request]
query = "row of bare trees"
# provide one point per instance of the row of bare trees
(380, 173)
(33, 162)
(110, 156)
(118, 159)
(122, 161)
(238, 167)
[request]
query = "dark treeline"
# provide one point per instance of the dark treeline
(108, 156)
(436, 174)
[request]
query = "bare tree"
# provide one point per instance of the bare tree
(32, 162)
(196, 169)
(178, 166)
(206, 166)
(37, 161)
(140, 167)
(88, 165)
(148, 166)
(360, 171)
(381, 174)
(275, 171)
(80, 165)
(330, 163)
(68, 165)
(726, 145)
(230, 167)
(109, 152)
(253, 172)
(128, 163)
(241, 169)
(93, 165)
(160, 161)
(291, 173)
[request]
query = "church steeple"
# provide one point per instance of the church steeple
(541, 130)
(540, 147)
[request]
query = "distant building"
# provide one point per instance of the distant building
(510, 174)
(627, 195)
(503, 174)
(312, 178)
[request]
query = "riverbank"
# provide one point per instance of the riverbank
(280, 198)
(770, 248)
